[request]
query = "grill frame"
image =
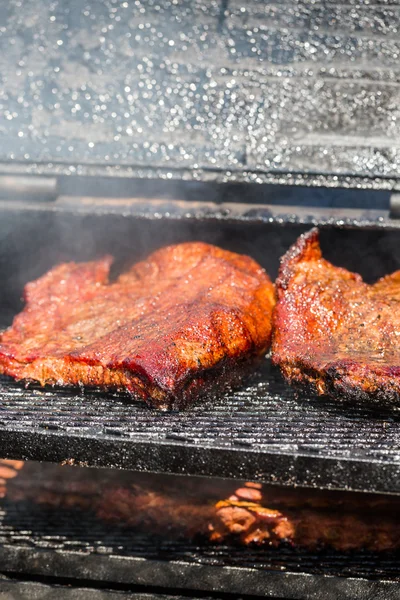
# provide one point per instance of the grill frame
(233, 580)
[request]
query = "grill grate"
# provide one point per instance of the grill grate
(45, 541)
(264, 431)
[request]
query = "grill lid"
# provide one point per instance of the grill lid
(290, 93)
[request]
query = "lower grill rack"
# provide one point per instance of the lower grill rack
(74, 544)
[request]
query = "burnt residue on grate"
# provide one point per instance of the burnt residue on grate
(264, 431)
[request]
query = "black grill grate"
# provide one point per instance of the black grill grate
(44, 541)
(264, 431)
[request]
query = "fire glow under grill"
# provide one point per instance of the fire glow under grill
(149, 529)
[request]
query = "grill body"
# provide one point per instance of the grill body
(184, 100)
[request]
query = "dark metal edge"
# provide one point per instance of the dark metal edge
(331, 180)
(185, 576)
(174, 458)
(185, 210)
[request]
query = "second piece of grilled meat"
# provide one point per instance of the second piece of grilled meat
(189, 319)
(334, 332)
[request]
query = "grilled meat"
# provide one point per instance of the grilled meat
(333, 332)
(189, 319)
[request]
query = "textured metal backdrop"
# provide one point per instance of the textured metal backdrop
(195, 88)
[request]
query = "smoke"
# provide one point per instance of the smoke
(129, 218)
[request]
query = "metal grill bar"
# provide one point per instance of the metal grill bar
(264, 432)
(12, 589)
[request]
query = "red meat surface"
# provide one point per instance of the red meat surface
(190, 319)
(334, 332)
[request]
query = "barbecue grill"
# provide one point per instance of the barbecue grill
(130, 125)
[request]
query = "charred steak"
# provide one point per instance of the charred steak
(334, 332)
(189, 319)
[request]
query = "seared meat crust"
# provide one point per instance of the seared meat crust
(334, 332)
(189, 319)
